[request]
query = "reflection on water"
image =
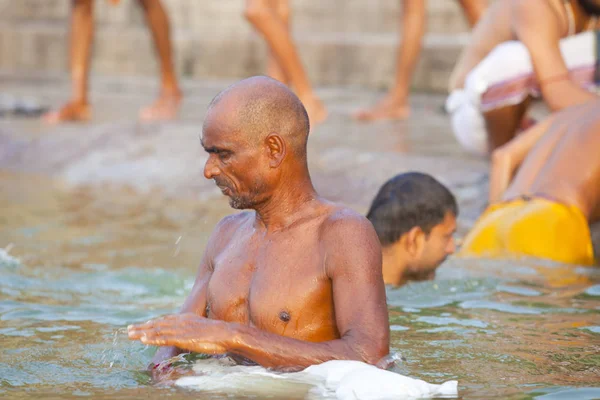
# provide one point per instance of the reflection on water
(90, 261)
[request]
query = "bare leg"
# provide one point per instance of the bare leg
(473, 10)
(265, 19)
(480, 45)
(274, 70)
(395, 104)
(167, 105)
(504, 123)
(82, 32)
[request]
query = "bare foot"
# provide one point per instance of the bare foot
(317, 112)
(386, 109)
(74, 111)
(164, 109)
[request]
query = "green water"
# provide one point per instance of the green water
(89, 262)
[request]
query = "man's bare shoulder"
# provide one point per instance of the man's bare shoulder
(233, 221)
(341, 217)
(350, 244)
(344, 224)
(225, 229)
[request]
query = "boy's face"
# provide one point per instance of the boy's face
(438, 245)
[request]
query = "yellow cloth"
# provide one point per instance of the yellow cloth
(534, 227)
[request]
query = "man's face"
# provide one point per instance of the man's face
(237, 165)
(438, 245)
(591, 7)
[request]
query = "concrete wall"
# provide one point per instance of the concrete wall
(341, 41)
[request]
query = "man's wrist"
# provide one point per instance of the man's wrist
(236, 333)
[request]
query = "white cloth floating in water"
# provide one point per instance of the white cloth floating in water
(342, 380)
(217, 376)
(356, 380)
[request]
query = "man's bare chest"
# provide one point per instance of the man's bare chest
(281, 289)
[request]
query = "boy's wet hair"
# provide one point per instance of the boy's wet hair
(590, 7)
(408, 200)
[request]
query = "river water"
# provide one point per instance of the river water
(105, 224)
(84, 262)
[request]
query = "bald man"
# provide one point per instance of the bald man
(546, 209)
(296, 280)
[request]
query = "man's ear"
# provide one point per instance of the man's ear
(277, 149)
(415, 241)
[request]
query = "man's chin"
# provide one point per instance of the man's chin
(236, 204)
(423, 275)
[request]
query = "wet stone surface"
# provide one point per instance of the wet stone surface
(348, 160)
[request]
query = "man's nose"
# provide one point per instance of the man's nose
(210, 168)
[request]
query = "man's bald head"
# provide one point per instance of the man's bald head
(259, 106)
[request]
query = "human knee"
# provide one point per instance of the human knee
(256, 12)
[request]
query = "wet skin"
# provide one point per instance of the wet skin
(557, 160)
(295, 282)
(539, 25)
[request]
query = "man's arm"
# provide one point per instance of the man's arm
(507, 158)
(353, 263)
(537, 27)
(195, 303)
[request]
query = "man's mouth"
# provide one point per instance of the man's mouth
(224, 189)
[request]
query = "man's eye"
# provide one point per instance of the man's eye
(224, 155)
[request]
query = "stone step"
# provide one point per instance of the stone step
(220, 17)
(330, 58)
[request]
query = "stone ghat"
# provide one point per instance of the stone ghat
(338, 40)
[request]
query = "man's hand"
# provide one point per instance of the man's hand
(185, 331)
